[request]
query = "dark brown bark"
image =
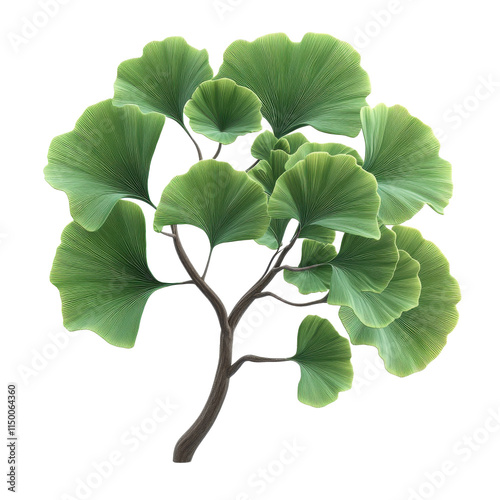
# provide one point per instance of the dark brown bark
(192, 438)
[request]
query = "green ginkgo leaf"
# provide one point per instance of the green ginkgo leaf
(314, 147)
(273, 237)
(163, 79)
(295, 141)
(329, 191)
(265, 143)
(378, 310)
(317, 279)
(222, 111)
(104, 159)
(223, 202)
(267, 172)
(403, 154)
(316, 82)
(411, 342)
(362, 264)
(103, 276)
(324, 358)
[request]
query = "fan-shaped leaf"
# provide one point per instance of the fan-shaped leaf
(411, 342)
(363, 264)
(316, 82)
(313, 147)
(378, 310)
(163, 79)
(324, 358)
(329, 191)
(221, 201)
(295, 141)
(403, 154)
(267, 142)
(103, 276)
(105, 158)
(268, 172)
(222, 111)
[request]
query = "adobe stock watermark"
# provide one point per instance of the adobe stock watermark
(224, 7)
(32, 25)
(456, 115)
(41, 358)
(379, 20)
(463, 451)
(265, 476)
(130, 441)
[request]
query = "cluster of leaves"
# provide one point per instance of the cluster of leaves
(393, 286)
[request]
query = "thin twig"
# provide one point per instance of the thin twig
(200, 155)
(275, 254)
(170, 235)
(296, 304)
(218, 151)
(254, 359)
(203, 276)
(251, 166)
(298, 269)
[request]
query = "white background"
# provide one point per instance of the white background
(383, 439)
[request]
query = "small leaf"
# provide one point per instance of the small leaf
(267, 142)
(378, 310)
(317, 279)
(324, 358)
(221, 201)
(313, 147)
(266, 173)
(403, 154)
(103, 276)
(222, 111)
(328, 191)
(295, 141)
(316, 82)
(163, 79)
(104, 159)
(411, 342)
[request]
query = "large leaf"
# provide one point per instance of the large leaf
(105, 158)
(403, 154)
(324, 358)
(314, 147)
(221, 201)
(378, 310)
(163, 79)
(103, 276)
(317, 279)
(316, 82)
(329, 191)
(411, 342)
(222, 111)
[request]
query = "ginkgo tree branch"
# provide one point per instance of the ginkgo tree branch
(254, 359)
(323, 300)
